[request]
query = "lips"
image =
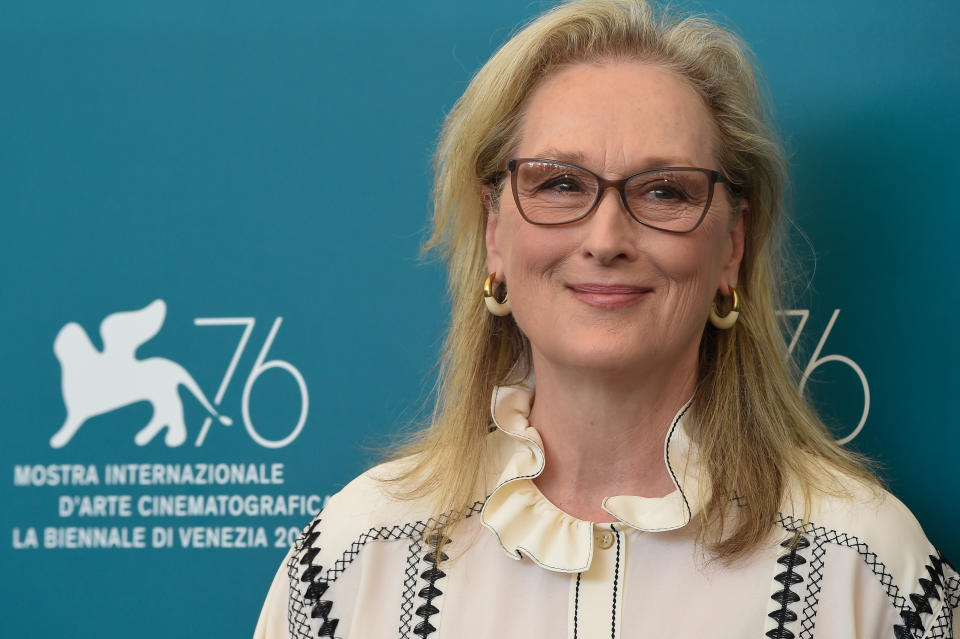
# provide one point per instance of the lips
(609, 296)
(609, 289)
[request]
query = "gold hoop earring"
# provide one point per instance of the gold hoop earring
(498, 308)
(728, 320)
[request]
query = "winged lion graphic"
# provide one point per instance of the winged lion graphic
(96, 382)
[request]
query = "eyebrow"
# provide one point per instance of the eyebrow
(571, 157)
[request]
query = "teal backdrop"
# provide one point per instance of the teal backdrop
(263, 169)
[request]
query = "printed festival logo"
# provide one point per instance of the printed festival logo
(95, 382)
(818, 359)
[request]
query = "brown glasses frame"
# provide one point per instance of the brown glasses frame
(620, 187)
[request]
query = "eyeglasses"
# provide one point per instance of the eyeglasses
(672, 199)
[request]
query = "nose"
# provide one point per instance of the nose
(610, 230)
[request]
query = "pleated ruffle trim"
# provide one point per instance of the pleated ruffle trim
(526, 522)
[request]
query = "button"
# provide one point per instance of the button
(605, 539)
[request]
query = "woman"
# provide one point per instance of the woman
(610, 179)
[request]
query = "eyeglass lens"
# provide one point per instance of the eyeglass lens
(554, 193)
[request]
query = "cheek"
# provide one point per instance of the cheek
(692, 265)
(531, 255)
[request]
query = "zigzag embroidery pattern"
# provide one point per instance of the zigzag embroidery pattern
(319, 581)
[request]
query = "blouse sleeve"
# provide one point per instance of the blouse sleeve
(273, 616)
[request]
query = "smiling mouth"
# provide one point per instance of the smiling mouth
(608, 296)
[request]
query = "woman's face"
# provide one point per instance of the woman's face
(607, 292)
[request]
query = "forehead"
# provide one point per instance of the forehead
(618, 117)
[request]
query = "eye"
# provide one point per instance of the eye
(661, 190)
(666, 193)
(563, 184)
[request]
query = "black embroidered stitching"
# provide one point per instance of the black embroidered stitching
(913, 626)
(296, 613)
(315, 591)
(951, 601)
(319, 581)
(409, 584)
(666, 450)
(296, 617)
(812, 600)
(953, 591)
(576, 606)
(933, 588)
(782, 614)
(430, 592)
(942, 626)
(793, 524)
(616, 576)
(406, 531)
(321, 611)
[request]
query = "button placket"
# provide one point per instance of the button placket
(596, 595)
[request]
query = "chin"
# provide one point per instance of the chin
(601, 355)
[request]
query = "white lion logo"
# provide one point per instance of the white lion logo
(95, 382)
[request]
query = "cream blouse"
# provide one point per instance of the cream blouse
(519, 567)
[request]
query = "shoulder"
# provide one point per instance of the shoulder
(870, 532)
(366, 509)
(855, 510)
(299, 602)
(369, 509)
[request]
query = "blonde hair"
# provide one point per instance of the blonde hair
(755, 430)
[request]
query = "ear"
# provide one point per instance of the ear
(494, 262)
(731, 270)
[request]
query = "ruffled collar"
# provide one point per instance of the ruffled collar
(526, 522)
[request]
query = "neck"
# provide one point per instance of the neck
(603, 435)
